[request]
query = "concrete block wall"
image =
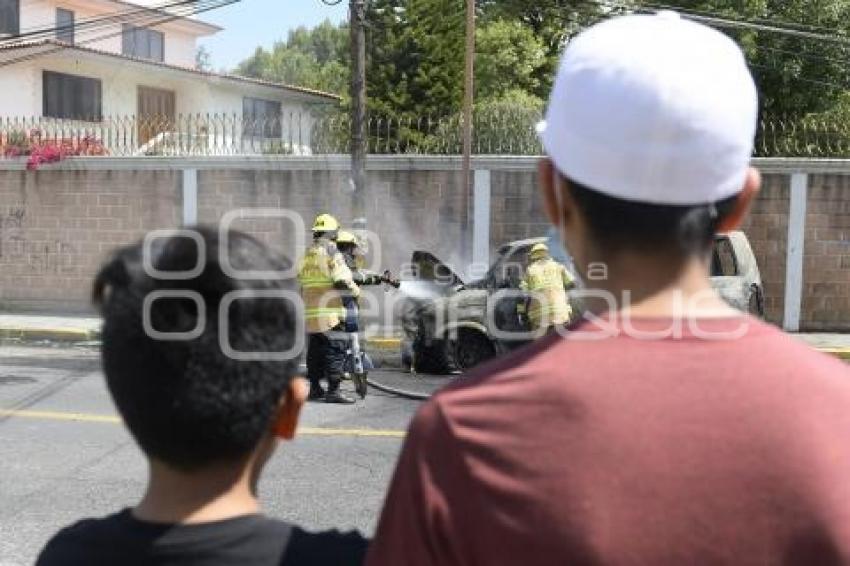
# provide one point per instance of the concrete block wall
(826, 283)
(57, 225)
(767, 230)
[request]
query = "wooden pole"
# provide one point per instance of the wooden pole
(357, 12)
(468, 100)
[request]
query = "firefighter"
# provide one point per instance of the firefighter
(325, 278)
(351, 249)
(548, 282)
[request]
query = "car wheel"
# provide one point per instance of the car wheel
(432, 358)
(756, 302)
(472, 349)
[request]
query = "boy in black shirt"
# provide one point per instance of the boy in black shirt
(204, 408)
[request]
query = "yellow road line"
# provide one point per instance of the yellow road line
(54, 416)
(366, 432)
(841, 353)
(110, 419)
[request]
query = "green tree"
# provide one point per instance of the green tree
(392, 58)
(313, 58)
(553, 23)
(438, 35)
(203, 59)
(796, 76)
(415, 56)
(509, 57)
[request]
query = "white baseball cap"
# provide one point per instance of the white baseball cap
(655, 109)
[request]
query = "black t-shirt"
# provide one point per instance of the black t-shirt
(252, 540)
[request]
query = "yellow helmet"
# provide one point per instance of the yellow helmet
(346, 237)
(325, 223)
(539, 250)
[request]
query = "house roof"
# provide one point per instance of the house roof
(125, 4)
(58, 46)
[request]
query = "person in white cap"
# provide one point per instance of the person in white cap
(684, 432)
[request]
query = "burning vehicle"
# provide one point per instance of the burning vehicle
(451, 325)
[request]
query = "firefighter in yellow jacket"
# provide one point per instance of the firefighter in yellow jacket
(325, 279)
(547, 282)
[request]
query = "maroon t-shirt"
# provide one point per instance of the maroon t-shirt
(631, 450)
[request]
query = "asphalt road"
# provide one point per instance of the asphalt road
(64, 456)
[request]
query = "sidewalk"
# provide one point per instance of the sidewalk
(32, 328)
(73, 329)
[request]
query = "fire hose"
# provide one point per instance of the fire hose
(387, 279)
(412, 395)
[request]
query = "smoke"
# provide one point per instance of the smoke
(422, 290)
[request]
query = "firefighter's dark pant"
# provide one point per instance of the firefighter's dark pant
(326, 358)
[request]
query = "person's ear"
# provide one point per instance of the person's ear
(743, 203)
(289, 410)
(548, 185)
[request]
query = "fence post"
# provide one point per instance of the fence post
(481, 218)
(190, 197)
(796, 246)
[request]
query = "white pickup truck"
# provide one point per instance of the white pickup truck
(433, 345)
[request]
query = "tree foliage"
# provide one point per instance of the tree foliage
(203, 59)
(552, 22)
(509, 57)
(796, 76)
(315, 58)
(415, 54)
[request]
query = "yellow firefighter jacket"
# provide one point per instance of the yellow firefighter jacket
(324, 276)
(547, 281)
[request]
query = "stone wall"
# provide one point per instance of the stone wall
(57, 225)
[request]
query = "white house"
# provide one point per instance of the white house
(109, 63)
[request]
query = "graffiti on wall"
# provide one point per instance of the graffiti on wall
(40, 257)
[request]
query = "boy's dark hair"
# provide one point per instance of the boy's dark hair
(619, 224)
(186, 402)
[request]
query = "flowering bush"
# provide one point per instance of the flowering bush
(40, 151)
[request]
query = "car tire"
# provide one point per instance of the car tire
(756, 301)
(432, 358)
(472, 349)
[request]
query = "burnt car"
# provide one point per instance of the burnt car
(456, 326)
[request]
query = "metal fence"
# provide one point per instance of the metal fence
(505, 133)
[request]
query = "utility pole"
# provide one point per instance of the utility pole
(468, 99)
(357, 12)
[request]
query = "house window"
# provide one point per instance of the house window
(65, 25)
(143, 43)
(72, 97)
(10, 17)
(262, 118)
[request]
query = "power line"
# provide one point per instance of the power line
(803, 55)
(614, 3)
(799, 77)
(719, 20)
(86, 23)
(205, 6)
(766, 21)
(737, 24)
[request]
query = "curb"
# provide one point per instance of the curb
(84, 335)
(384, 343)
(49, 334)
(840, 353)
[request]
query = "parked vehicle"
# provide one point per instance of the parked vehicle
(464, 325)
